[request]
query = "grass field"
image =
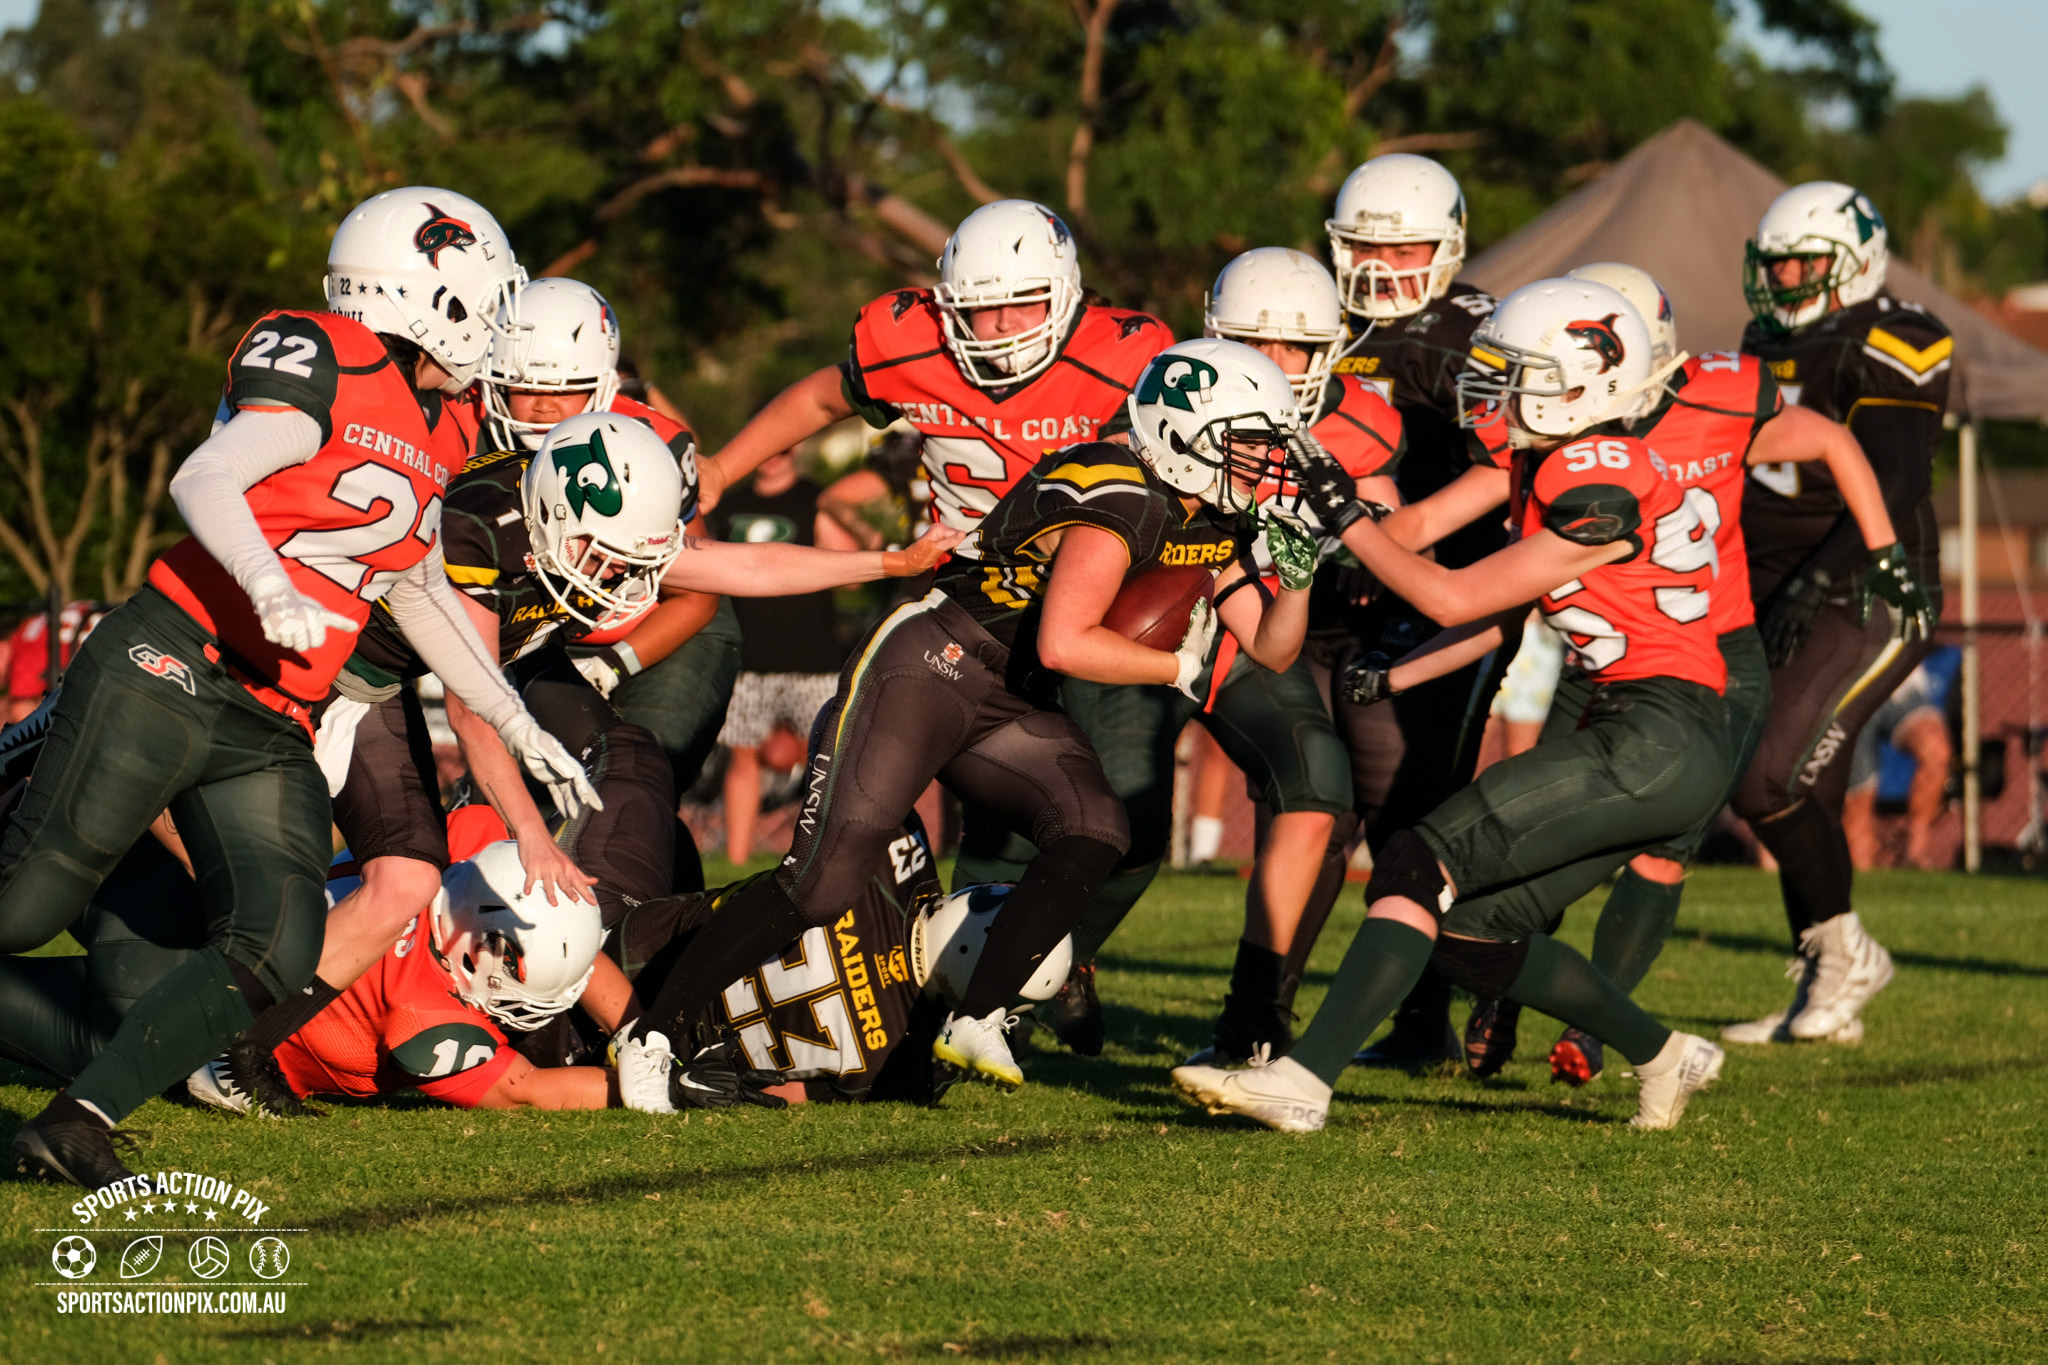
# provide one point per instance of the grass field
(1883, 1203)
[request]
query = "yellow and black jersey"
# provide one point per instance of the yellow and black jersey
(999, 573)
(1881, 368)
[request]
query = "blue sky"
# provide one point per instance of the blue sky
(1938, 47)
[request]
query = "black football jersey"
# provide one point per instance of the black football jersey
(1881, 368)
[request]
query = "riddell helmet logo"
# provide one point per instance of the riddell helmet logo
(1601, 339)
(439, 233)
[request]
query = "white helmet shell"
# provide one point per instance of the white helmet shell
(1009, 253)
(1196, 403)
(430, 266)
(568, 342)
(947, 937)
(1563, 356)
(1641, 289)
(1820, 218)
(1389, 200)
(608, 481)
(1274, 293)
(514, 956)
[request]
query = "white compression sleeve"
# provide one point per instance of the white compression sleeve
(208, 487)
(427, 609)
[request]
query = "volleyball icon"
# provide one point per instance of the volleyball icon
(74, 1258)
(208, 1258)
(269, 1257)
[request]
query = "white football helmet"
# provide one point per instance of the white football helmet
(430, 266)
(946, 940)
(1651, 303)
(514, 956)
(1563, 356)
(611, 484)
(1819, 218)
(567, 342)
(1010, 252)
(1210, 409)
(1391, 199)
(1273, 293)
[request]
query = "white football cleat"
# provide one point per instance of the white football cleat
(1687, 1063)
(644, 1065)
(977, 1048)
(213, 1085)
(1283, 1095)
(1852, 967)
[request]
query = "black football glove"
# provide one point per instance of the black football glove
(1326, 489)
(754, 1087)
(1368, 679)
(709, 1079)
(1891, 578)
(1787, 618)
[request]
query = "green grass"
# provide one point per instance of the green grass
(1876, 1203)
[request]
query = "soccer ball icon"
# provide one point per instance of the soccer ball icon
(269, 1257)
(74, 1258)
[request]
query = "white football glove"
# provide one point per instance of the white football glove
(1193, 653)
(609, 667)
(644, 1065)
(291, 620)
(551, 765)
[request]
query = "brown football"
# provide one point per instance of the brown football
(1152, 607)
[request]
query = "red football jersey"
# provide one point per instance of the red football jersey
(29, 663)
(1646, 616)
(1720, 400)
(347, 522)
(978, 442)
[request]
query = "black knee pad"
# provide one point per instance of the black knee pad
(1407, 866)
(1482, 967)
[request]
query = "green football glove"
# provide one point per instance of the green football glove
(1786, 618)
(1293, 548)
(1891, 578)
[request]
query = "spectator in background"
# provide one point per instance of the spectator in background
(789, 656)
(28, 657)
(1913, 723)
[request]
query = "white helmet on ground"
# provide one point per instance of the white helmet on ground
(514, 956)
(1651, 303)
(603, 498)
(946, 940)
(1273, 293)
(1819, 218)
(1012, 252)
(568, 342)
(1563, 356)
(1392, 199)
(429, 266)
(1210, 409)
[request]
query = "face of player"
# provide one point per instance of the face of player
(608, 571)
(1291, 356)
(1397, 256)
(1790, 272)
(544, 407)
(993, 324)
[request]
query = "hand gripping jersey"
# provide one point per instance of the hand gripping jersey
(347, 522)
(832, 1009)
(1646, 616)
(978, 442)
(1881, 368)
(1711, 411)
(1000, 571)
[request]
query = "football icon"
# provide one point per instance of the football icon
(208, 1257)
(74, 1258)
(142, 1255)
(269, 1257)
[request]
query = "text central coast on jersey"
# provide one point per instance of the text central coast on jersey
(405, 452)
(1068, 428)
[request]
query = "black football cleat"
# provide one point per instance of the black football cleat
(1075, 1014)
(1577, 1058)
(1490, 1036)
(1417, 1042)
(68, 1142)
(253, 1070)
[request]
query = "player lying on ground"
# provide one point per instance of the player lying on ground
(1619, 558)
(959, 686)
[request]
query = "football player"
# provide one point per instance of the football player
(1619, 558)
(1397, 242)
(1836, 342)
(960, 685)
(318, 494)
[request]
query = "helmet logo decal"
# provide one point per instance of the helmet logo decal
(1601, 339)
(590, 479)
(1868, 223)
(439, 233)
(1173, 381)
(1060, 235)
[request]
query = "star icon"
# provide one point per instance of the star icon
(131, 1215)
(149, 1208)
(191, 1208)
(211, 1214)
